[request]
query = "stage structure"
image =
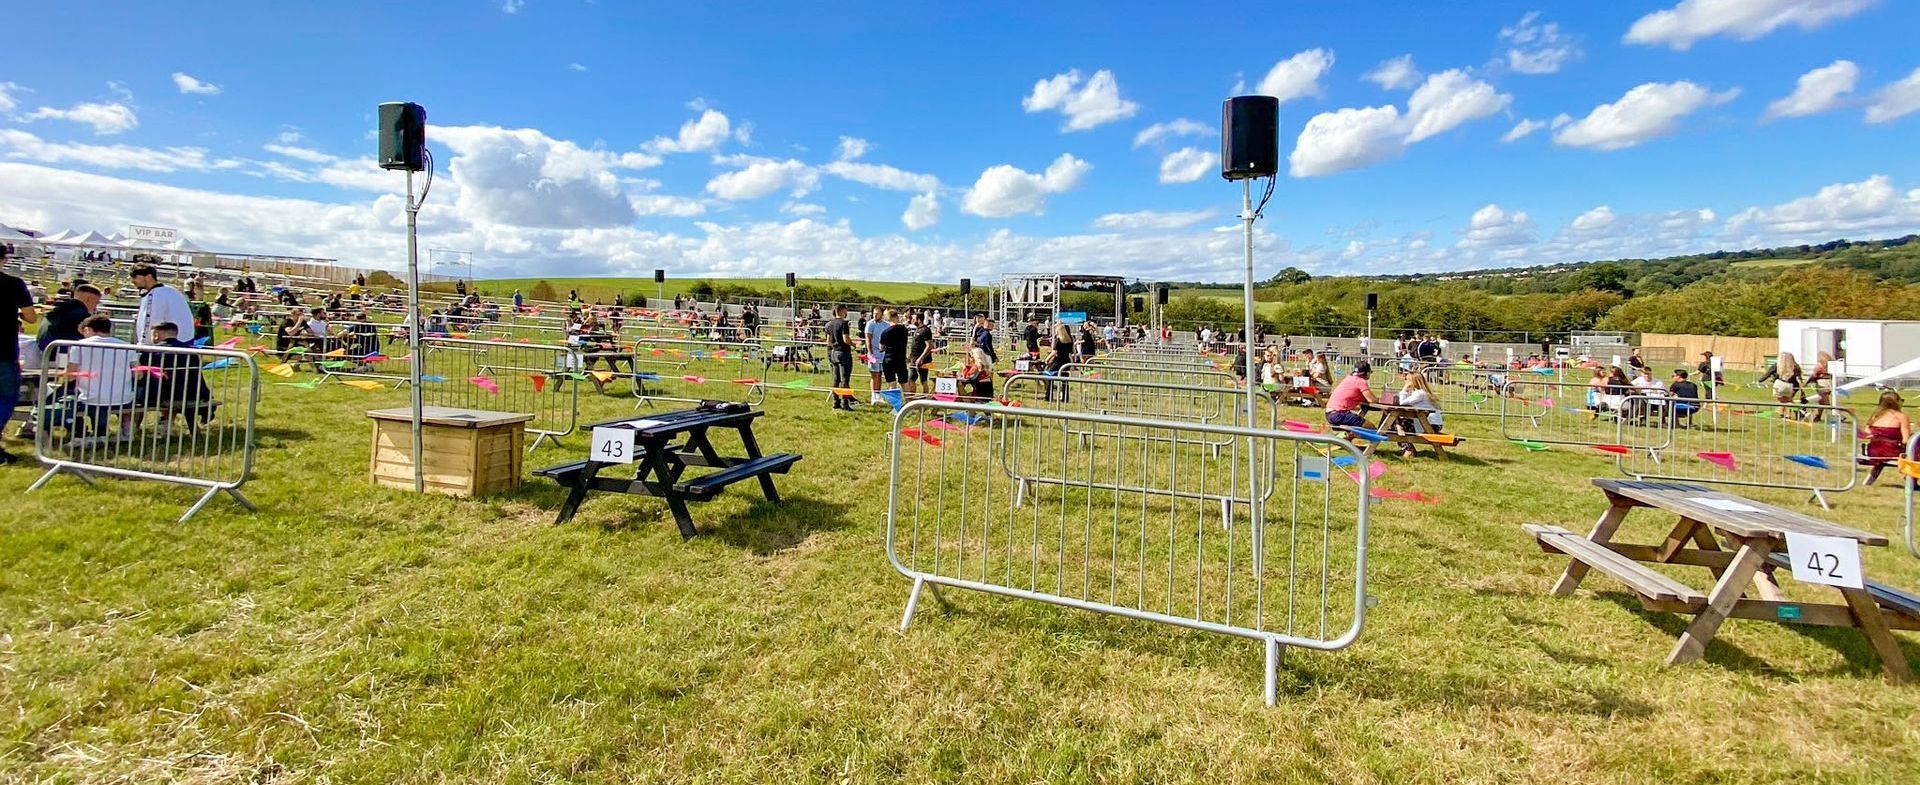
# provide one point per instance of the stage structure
(1041, 296)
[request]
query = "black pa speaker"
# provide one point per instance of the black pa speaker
(1139, 304)
(789, 280)
(659, 276)
(1249, 137)
(1160, 296)
(1373, 301)
(403, 136)
(966, 286)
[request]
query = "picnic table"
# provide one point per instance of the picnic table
(660, 462)
(1755, 534)
(1407, 426)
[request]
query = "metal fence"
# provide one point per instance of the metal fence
(1182, 403)
(170, 414)
(1151, 374)
(1571, 414)
(1128, 521)
(538, 379)
(1768, 445)
(1910, 480)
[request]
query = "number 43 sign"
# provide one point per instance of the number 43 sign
(612, 445)
(1834, 561)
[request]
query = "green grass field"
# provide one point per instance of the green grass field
(605, 288)
(347, 633)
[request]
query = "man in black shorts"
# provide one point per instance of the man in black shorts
(840, 356)
(893, 342)
(919, 356)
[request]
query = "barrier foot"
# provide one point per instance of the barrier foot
(1273, 672)
(543, 437)
(43, 479)
(1822, 499)
(913, 601)
(204, 498)
(1019, 493)
(235, 493)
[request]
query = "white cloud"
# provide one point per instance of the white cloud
(1817, 91)
(7, 102)
(763, 177)
(1153, 220)
(1536, 48)
(881, 176)
(1170, 129)
(664, 205)
(522, 177)
(106, 119)
(1396, 74)
(20, 145)
(1522, 130)
(806, 209)
(1493, 229)
(513, 6)
(1896, 100)
(1646, 112)
(1692, 20)
(190, 85)
(577, 67)
(1004, 191)
(1598, 219)
(850, 148)
(1188, 164)
(299, 153)
(1871, 205)
(1447, 100)
(700, 134)
(1085, 106)
(1297, 76)
(1347, 139)
(922, 211)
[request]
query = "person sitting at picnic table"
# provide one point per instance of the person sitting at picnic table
(1348, 398)
(976, 377)
(1415, 394)
(1598, 398)
(1888, 430)
(1318, 372)
(1687, 394)
(101, 368)
(176, 387)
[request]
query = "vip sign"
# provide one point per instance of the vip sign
(152, 234)
(1033, 291)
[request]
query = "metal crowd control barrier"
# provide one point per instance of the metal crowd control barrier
(1151, 375)
(170, 414)
(1572, 414)
(1767, 445)
(1912, 483)
(538, 379)
(1128, 526)
(1183, 403)
(672, 369)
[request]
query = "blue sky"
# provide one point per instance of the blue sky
(612, 138)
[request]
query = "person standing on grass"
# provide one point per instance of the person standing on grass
(893, 344)
(158, 302)
(919, 356)
(16, 308)
(840, 355)
(876, 353)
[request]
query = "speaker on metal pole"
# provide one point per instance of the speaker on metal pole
(1139, 304)
(789, 280)
(1160, 295)
(1249, 137)
(1373, 301)
(403, 136)
(659, 276)
(966, 286)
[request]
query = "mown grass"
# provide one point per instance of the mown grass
(604, 289)
(347, 633)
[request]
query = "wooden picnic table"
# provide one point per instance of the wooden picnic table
(1756, 534)
(1408, 426)
(660, 462)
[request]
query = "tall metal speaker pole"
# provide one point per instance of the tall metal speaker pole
(413, 330)
(1246, 344)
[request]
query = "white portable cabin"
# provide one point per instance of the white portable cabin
(1866, 346)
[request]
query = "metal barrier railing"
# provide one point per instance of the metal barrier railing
(1183, 403)
(1176, 376)
(1128, 527)
(538, 379)
(1910, 480)
(1571, 414)
(169, 414)
(1768, 445)
(674, 369)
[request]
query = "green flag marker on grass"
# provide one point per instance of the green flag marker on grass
(1529, 446)
(797, 384)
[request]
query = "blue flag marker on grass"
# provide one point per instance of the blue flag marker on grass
(1343, 460)
(432, 379)
(1814, 461)
(224, 362)
(1369, 435)
(893, 398)
(647, 377)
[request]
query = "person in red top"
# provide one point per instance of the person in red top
(1888, 430)
(1352, 393)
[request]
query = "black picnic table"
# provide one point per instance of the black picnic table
(661, 460)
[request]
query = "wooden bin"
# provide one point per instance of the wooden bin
(466, 452)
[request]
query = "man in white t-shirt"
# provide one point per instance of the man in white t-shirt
(159, 304)
(102, 371)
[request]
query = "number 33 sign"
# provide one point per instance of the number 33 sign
(612, 445)
(1834, 561)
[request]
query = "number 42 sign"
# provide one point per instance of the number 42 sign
(612, 445)
(1834, 561)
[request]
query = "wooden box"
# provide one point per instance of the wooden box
(465, 452)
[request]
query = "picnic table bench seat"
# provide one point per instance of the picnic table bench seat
(1645, 581)
(1891, 598)
(707, 485)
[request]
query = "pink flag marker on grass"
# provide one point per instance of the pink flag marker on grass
(485, 383)
(1723, 460)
